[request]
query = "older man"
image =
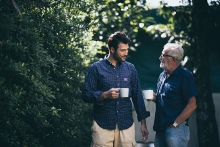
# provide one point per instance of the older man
(175, 99)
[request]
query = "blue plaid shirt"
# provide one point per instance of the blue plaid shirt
(102, 76)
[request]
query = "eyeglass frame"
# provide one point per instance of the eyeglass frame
(162, 55)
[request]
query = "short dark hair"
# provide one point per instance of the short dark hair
(116, 38)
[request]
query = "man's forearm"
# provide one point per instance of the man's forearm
(187, 111)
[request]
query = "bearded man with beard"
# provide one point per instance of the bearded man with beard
(175, 99)
(113, 124)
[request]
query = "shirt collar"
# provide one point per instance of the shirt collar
(106, 60)
(177, 70)
(109, 62)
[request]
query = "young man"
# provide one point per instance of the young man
(113, 123)
(175, 99)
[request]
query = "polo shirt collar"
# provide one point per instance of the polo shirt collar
(177, 70)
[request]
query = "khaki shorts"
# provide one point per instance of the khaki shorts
(112, 138)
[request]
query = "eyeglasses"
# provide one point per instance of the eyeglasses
(162, 55)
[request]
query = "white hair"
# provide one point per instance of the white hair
(175, 50)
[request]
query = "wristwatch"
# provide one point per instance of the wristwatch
(175, 124)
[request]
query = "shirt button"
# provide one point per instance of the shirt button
(117, 102)
(117, 111)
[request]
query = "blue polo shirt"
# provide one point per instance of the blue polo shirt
(102, 76)
(173, 94)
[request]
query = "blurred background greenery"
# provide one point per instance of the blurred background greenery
(46, 47)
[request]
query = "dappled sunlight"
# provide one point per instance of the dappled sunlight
(163, 35)
(185, 60)
(141, 25)
(194, 70)
(132, 48)
(159, 30)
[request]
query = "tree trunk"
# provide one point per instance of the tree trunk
(207, 127)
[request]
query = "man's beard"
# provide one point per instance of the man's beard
(117, 58)
(163, 65)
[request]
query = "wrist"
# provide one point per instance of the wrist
(143, 122)
(102, 96)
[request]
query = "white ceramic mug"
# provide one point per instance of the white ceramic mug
(124, 92)
(148, 94)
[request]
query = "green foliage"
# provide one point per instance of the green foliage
(43, 45)
(130, 16)
(179, 23)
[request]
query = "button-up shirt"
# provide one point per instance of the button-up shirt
(101, 77)
(173, 94)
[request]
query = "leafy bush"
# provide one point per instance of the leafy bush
(43, 45)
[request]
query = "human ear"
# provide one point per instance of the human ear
(112, 50)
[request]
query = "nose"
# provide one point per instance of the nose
(126, 53)
(160, 58)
